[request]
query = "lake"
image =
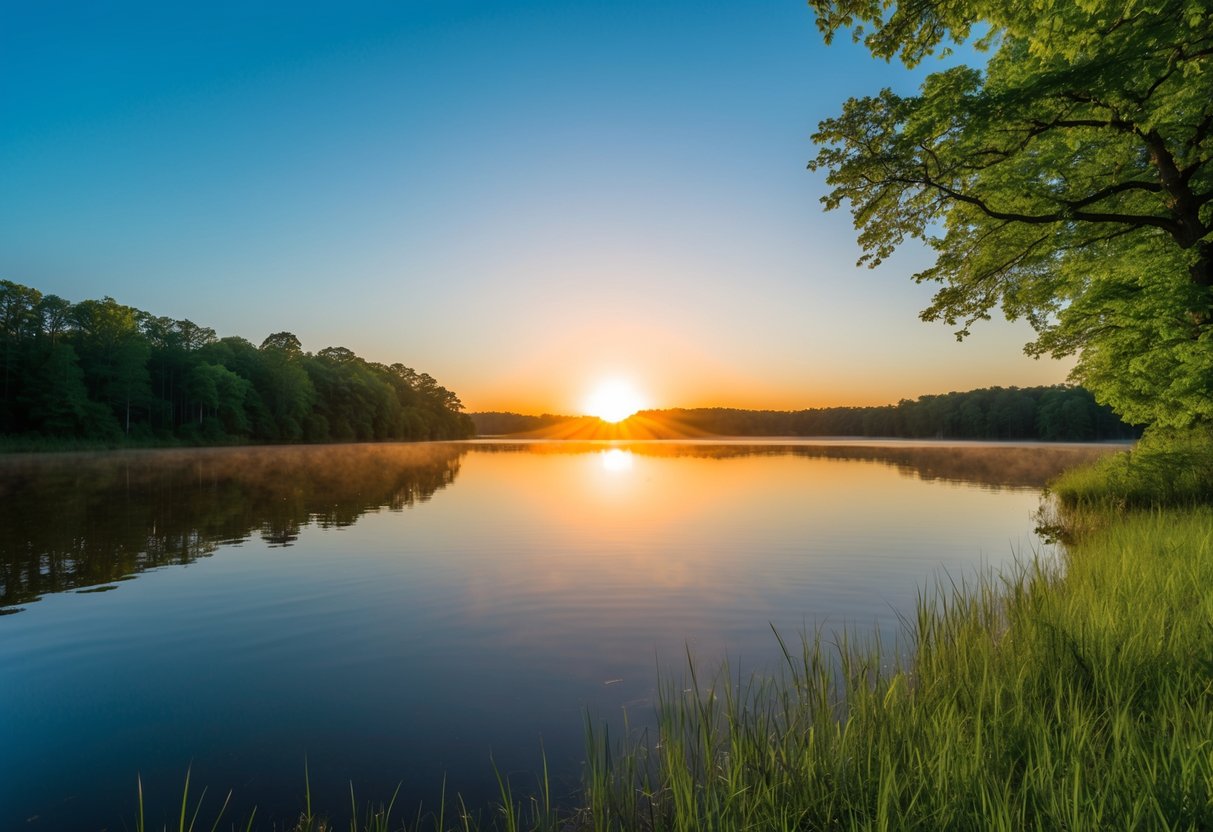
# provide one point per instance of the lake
(418, 613)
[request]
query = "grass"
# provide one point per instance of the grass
(1163, 471)
(192, 824)
(1070, 694)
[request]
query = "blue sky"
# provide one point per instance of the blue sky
(519, 198)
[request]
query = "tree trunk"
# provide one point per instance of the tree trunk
(1201, 273)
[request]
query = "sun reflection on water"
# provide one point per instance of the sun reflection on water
(617, 459)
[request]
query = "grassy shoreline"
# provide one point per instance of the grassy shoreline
(1071, 694)
(1059, 698)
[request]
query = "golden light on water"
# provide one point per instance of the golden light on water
(617, 459)
(614, 400)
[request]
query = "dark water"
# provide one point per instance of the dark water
(404, 613)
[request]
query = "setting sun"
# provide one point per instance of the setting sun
(614, 401)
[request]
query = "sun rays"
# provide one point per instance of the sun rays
(614, 400)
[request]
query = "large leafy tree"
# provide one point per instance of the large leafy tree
(114, 355)
(1069, 181)
(287, 389)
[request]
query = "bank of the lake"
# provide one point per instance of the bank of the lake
(1069, 695)
(60, 445)
(1060, 698)
(1073, 694)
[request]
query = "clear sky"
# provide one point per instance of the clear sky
(519, 198)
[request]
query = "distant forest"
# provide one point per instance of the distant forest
(99, 370)
(1059, 413)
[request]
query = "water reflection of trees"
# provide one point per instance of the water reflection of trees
(80, 520)
(73, 521)
(989, 465)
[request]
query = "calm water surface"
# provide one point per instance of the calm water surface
(401, 613)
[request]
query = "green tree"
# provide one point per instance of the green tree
(18, 325)
(54, 316)
(218, 394)
(247, 362)
(285, 385)
(164, 365)
(355, 400)
(114, 354)
(283, 342)
(58, 402)
(1068, 181)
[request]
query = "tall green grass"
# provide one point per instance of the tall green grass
(1163, 470)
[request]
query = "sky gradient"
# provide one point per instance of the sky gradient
(520, 198)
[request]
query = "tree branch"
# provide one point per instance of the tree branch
(1137, 220)
(1117, 123)
(1112, 190)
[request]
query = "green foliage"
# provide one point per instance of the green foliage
(1166, 469)
(105, 372)
(1069, 182)
(56, 397)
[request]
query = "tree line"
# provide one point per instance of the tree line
(1057, 413)
(100, 370)
(1061, 413)
(501, 423)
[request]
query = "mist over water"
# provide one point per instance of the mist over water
(399, 613)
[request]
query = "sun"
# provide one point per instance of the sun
(614, 401)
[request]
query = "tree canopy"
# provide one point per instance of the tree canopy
(1068, 181)
(100, 370)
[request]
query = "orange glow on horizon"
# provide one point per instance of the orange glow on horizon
(669, 373)
(613, 401)
(638, 426)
